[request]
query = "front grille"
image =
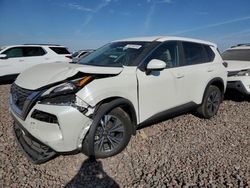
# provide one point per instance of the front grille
(19, 95)
(22, 100)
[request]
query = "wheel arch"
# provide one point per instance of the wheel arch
(123, 103)
(218, 82)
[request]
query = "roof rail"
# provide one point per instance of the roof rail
(243, 44)
(43, 44)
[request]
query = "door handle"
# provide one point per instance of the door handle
(21, 60)
(210, 70)
(179, 76)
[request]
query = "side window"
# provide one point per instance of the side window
(14, 52)
(60, 50)
(194, 53)
(167, 52)
(33, 51)
(210, 53)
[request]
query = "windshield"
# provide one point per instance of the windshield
(240, 55)
(115, 54)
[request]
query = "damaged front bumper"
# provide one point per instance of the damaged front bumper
(35, 151)
(43, 138)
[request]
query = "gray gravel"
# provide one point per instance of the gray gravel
(181, 152)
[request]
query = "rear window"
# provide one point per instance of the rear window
(194, 53)
(210, 53)
(240, 55)
(60, 50)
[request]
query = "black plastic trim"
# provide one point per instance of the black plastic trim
(211, 82)
(237, 85)
(36, 151)
(233, 73)
(47, 117)
(167, 114)
(10, 77)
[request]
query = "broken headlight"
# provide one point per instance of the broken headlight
(65, 99)
(64, 94)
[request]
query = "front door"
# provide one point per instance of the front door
(14, 63)
(158, 90)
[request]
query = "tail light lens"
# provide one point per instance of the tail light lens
(69, 56)
(225, 64)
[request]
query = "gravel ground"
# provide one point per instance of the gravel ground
(181, 152)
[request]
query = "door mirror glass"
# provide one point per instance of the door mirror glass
(156, 65)
(3, 56)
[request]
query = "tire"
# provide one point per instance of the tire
(211, 102)
(109, 133)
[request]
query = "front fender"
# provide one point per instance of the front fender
(123, 85)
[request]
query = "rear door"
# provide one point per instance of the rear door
(157, 90)
(195, 72)
(33, 55)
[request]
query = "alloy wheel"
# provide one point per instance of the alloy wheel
(109, 134)
(213, 102)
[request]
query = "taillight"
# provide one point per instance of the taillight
(69, 56)
(225, 64)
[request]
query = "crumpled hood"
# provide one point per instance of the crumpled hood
(45, 74)
(237, 65)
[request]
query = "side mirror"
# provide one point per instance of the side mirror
(3, 56)
(156, 65)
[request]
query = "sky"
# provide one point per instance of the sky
(89, 24)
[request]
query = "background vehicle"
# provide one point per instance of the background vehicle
(79, 54)
(96, 105)
(15, 59)
(238, 60)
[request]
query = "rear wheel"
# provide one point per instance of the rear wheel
(211, 102)
(109, 134)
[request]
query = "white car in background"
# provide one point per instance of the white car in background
(79, 54)
(238, 60)
(96, 105)
(15, 59)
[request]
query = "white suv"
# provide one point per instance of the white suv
(95, 106)
(15, 59)
(238, 60)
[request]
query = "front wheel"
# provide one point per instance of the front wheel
(109, 134)
(211, 102)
